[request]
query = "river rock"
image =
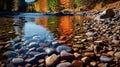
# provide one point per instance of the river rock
(17, 46)
(33, 44)
(105, 59)
(52, 60)
(89, 33)
(55, 44)
(107, 13)
(22, 51)
(33, 53)
(50, 51)
(111, 53)
(117, 55)
(65, 64)
(40, 49)
(77, 55)
(11, 54)
(85, 59)
(35, 59)
(77, 63)
(28, 65)
(67, 56)
(89, 54)
(78, 46)
(93, 64)
(63, 48)
(18, 61)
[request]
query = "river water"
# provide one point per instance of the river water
(30, 24)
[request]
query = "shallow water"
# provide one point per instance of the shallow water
(30, 24)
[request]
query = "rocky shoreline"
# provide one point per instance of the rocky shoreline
(98, 46)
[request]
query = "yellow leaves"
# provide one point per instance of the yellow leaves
(37, 6)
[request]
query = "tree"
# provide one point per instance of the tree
(53, 5)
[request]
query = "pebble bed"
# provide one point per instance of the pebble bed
(99, 46)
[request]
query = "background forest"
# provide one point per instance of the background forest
(51, 5)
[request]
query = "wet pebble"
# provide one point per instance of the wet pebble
(52, 60)
(105, 59)
(89, 33)
(11, 54)
(117, 55)
(49, 51)
(63, 48)
(77, 63)
(93, 64)
(18, 61)
(65, 64)
(67, 56)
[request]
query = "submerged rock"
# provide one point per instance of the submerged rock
(50, 51)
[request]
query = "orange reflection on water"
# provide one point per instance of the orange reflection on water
(43, 21)
(65, 25)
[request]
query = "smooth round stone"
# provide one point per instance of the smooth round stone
(31, 49)
(36, 37)
(111, 53)
(33, 44)
(28, 65)
(85, 59)
(77, 55)
(65, 64)
(89, 54)
(33, 53)
(77, 63)
(11, 54)
(17, 46)
(63, 48)
(18, 60)
(36, 58)
(89, 33)
(51, 60)
(55, 44)
(49, 51)
(93, 64)
(78, 46)
(75, 49)
(117, 55)
(40, 49)
(22, 50)
(67, 56)
(105, 59)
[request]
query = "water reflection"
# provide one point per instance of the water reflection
(51, 25)
(31, 29)
(65, 25)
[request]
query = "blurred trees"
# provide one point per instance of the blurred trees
(53, 5)
(50, 5)
(6, 5)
